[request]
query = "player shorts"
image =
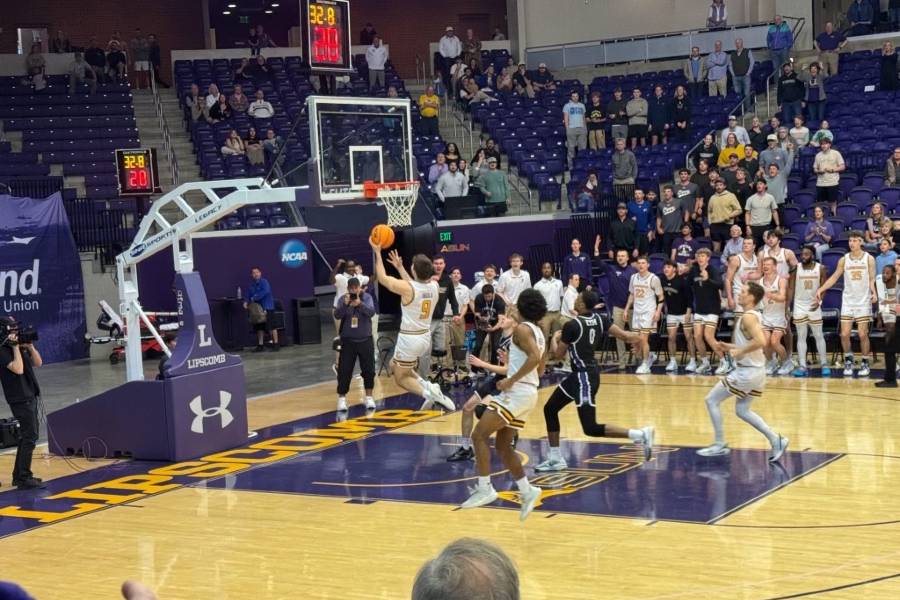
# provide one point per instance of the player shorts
(888, 316)
(410, 348)
(142, 65)
(856, 313)
(774, 322)
(642, 322)
(488, 386)
(746, 381)
(676, 320)
(581, 386)
(804, 315)
(709, 320)
(514, 404)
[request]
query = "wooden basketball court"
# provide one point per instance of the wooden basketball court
(314, 508)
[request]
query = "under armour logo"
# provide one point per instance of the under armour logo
(225, 416)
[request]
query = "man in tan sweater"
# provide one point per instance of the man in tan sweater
(723, 208)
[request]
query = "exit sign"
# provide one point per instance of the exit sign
(445, 237)
(245, 19)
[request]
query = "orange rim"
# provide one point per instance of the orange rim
(370, 188)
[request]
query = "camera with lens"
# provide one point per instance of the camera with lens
(353, 296)
(27, 335)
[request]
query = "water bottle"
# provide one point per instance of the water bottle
(239, 295)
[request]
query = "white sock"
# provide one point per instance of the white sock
(635, 435)
(342, 398)
(819, 336)
(714, 398)
(369, 399)
(742, 408)
(555, 454)
(484, 482)
(801, 344)
(466, 443)
(523, 484)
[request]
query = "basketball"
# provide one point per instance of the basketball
(382, 235)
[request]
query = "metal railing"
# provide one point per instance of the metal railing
(31, 187)
(714, 131)
(164, 127)
(103, 231)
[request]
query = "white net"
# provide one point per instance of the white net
(399, 202)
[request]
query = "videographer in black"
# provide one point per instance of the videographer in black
(354, 313)
(18, 359)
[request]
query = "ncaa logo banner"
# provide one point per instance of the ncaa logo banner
(293, 254)
(40, 274)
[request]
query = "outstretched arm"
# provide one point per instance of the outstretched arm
(838, 273)
(394, 259)
(398, 286)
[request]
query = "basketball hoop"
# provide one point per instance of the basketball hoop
(398, 197)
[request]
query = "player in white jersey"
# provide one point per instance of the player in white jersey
(786, 262)
(418, 298)
(747, 380)
(888, 286)
(645, 304)
(513, 281)
(742, 268)
(507, 411)
(807, 311)
(774, 321)
(857, 267)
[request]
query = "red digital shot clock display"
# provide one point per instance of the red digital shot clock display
(137, 172)
(329, 34)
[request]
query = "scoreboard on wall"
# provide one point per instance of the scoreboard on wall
(328, 35)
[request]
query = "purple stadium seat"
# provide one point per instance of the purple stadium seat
(890, 197)
(847, 212)
(830, 259)
(860, 195)
(257, 223)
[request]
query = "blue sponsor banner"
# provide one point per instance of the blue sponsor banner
(40, 274)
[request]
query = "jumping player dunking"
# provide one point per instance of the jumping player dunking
(506, 412)
(418, 298)
(580, 337)
(747, 380)
(857, 267)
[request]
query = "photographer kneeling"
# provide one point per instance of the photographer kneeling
(18, 358)
(354, 313)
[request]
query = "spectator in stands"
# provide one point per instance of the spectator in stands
(861, 16)
(734, 245)
(717, 61)
(717, 17)
(622, 234)
(892, 168)
(814, 101)
(451, 153)
(596, 122)
(742, 187)
(196, 104)
(491, 150)
(81, 72)
(471, 46)
(707, 151)
(573, 113)
(774, 154)
(490, 77)
(429, 105)
(643, 214)
(35, 66)
(749, 162)
(212, 98)
(253, 147)
(659, 115)
(273, 147)
(478, 165)
(729, 170)
(220, 111)
(498, 36)
(624, 170)
(757, 136)
(637, 109)
(264, 40)
(695, 71)
(824, 132)
(240, 73)
(740, 65)
(829, 44)
(474, 66)
(96, 57)
(776, 178)
(577, 263)
(681, 115)
(117, 63)
(799, 132)
(779, 41)
(704, 178)
(887, 256)
(743, 138)
(732, 148)
(543, 79)
(819, 232)
(258, 71)
(116, 37)
(156, 59)
(376, 57)
(139, 51)
(438, 168)
(504, 80)
(760, 212)
(452, 184)
(253, 42)
(239, 102)
(463, 167)
(522, 83)
(459, 73)
(495, 187)
(670, 216)
(234, 145)
(449, 47)
(588, 196)
(472, 94)
(874, 222)
(260, 108)
(617, 112)
(367, 35)
(60, 44)
(790, 94)
(828, 166)
(684, 249)
(723, 208)
(772, 125)
(888, 73)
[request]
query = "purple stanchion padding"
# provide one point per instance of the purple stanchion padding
(200, 407)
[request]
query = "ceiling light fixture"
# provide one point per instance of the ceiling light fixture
(226, 12)
(268, 12)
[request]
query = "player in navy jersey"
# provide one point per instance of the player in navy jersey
(580, 337)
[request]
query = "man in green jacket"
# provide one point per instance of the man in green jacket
(495, 187)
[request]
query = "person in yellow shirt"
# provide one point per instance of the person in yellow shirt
(723, 208)
(732, 146)
(429, 105)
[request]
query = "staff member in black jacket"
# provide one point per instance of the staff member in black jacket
(22, 392)
(354, 313)
(438, 326)
(706, 285)
(622, 233)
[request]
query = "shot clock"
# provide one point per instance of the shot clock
(328, 35)
(137, 172)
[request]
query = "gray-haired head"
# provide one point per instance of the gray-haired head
(468, 569)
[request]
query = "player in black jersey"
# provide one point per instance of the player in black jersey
(580, 337)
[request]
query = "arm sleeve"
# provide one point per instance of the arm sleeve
(340, 311)
(570, 331)
(715, 277)
(368, 305)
